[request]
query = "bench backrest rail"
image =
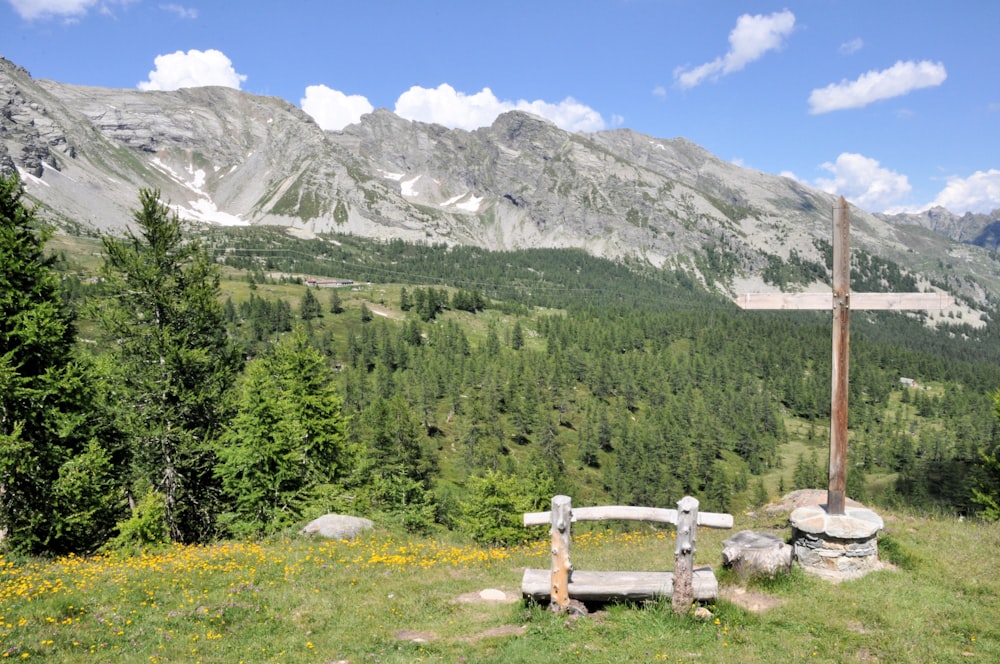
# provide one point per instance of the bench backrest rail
(630, 513)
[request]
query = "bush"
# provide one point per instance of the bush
(495, 502)
(146, 527)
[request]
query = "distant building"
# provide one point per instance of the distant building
(329, 283)
(908, 382)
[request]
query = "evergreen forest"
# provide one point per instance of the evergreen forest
(181, 383)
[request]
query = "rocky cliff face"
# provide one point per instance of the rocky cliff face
(982, 230)
(26, 127)
(224, 156)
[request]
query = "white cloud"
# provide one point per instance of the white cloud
(569, 114)
(32, 9)
(191, 70)
(852, 46)
(659, 91)
(70, 10)
(180, 10)
(864, 182)
(446, 106)
(980, 192)
(900, 79)
(332, 109)
(752, 37)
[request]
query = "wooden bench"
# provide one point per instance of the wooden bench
(562, 583)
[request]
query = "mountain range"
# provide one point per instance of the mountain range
(223, 156)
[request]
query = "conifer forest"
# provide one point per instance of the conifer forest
(189, 383)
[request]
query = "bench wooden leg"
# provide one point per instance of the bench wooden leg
(687, 522)
(562, 516)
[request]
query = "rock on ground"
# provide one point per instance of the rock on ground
(804, 498)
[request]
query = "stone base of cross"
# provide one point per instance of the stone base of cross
(843, 300)
(836, 547)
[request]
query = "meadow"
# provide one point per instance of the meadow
(390, 597)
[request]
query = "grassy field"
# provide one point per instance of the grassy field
(390, 598)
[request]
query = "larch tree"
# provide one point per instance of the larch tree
(396, 462)
(173, 362)
(336, 305)
(309, 306)
(287, 440)
(57, 484)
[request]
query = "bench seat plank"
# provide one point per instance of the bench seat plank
(608, 586)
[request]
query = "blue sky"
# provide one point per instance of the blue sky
(893, 104)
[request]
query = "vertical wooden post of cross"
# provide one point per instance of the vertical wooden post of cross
(837, 487)
(562, 516)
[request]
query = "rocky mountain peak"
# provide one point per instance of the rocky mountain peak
(220, 155)
(972, 228)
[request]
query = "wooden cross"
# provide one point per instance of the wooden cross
(843, 301)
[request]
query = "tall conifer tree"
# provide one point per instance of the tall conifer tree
(56, 482)
(174, 361)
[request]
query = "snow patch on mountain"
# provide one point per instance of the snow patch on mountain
(471, 204)
(202, 208)
(408, 187)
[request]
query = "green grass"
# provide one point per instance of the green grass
(390, 598)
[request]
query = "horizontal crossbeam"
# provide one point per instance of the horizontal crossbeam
(856, 301)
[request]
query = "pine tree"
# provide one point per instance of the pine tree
(336, 305)
(587, 443)
(396, 462)
(517, 337)
(286, 440)
(57, 483)
(394, 441)
(808, 473)
(309, 308)
(492, 340)
(173, 362)
(760, 497)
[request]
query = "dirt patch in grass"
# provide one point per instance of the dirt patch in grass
(488, 596)
(496, 632)
(415, 636)
(383, 312)
(751, 600)
(420, 636)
